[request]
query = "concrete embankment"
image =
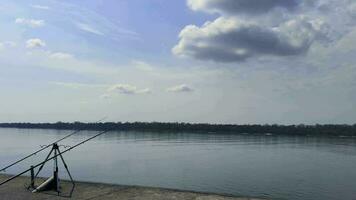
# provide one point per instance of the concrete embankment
(15, 190)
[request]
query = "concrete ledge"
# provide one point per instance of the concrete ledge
(15, 190)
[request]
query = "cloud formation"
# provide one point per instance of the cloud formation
(35, 43)
(61, 55)
(33, 23)
(128, 89)
(180, 88)
(233, 38)
(230, 39)
(41, 7)
(240, 6)
(87, 20)
(89, 29)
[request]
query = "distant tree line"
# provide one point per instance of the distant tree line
(345, 130)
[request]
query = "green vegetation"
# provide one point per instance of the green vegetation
(344, 130)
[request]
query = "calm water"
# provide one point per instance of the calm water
(245, 165)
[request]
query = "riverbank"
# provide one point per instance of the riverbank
(15, 190)
(301, 129)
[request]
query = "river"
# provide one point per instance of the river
(267, 166)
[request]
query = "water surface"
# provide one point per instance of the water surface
(273, 167)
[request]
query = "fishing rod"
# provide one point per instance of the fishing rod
(46, 147)
(53, 157)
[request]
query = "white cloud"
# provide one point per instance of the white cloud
(41, 7)
(85, 19)
(231, 39)
(240, 6)
(35, 43)
(128, 89)
(61, 55)
(33, 23)
(89, 29)
(144, 91)
(180, 88)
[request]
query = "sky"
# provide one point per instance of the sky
(208, 61)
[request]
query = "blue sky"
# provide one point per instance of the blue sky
(226, 61)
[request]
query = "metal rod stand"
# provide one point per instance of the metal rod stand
(54, 185)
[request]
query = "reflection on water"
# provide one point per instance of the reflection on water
(275, 167)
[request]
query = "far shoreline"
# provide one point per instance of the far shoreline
(293, 130)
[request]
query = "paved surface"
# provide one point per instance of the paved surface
(15, 190)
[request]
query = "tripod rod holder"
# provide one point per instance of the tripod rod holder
(51, 183)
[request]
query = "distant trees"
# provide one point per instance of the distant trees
(328, 129)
